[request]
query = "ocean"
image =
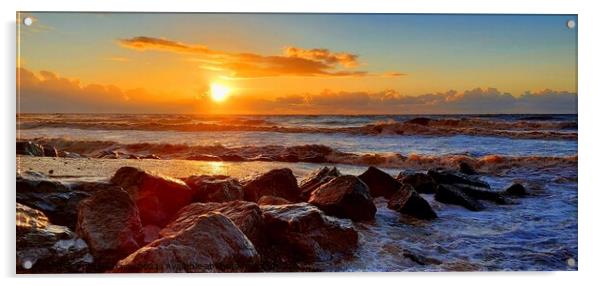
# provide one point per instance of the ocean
(540, 151)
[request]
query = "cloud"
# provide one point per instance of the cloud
(475, 101)
(49, 92)
(293, 62)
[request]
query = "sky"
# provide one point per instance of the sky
(296, 63)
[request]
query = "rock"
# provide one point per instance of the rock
(420, 259)
(380, 183)
(157, 197)
(151, 233)
(483, 194)
(50, 151)
(301, 232)
(29, 148)
(516, 190)
(66, 154)
(407, 201)
(245, 215)
(450, 194)
(211, 244)
(278, 182)
(465, 168)
(46, 248)
(451, 178)
(271, 200)
(150, 156)
(217, 188)
(110, 223)
(56, 200)
(345, 197)
(419, 121)
(315, 179)
(422, 183)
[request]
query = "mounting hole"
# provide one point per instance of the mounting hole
(28, 21)
(570, 24)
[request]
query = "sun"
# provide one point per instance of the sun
(219, 92)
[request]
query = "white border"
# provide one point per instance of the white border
(590, 95)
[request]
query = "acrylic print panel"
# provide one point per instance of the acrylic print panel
(191, 142)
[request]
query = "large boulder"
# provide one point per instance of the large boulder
(467, 169)
(212, 243)
(217, 188)
(480, 193)
(380, 183)
(315, 179)
(278, 182)
(29, 148)
(46, 248)
(407, 201)
(58, 201)
(301, 232)
(422, 183)
(110, 223)
(345, 197)
(157, 197)
(451, 194)
(245, 215)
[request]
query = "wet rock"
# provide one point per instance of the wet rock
(407, 201)
(157, 197)
(345, 197)
(420, 259)
(450, 194)
(422, 183)
(301, 232)
(151, 233)
(29, 148)
(65, 154)
(46, 248)
(278, 182)
(271, 200)
(245, 215)
(315, 179)
(450, 177)
(50, 151)
(217, 188)
(516, 190)
(211, 244)
(465, 168)
(419, 121)
(380, 183)
(110, 223)
(483, 194)
(56, 200)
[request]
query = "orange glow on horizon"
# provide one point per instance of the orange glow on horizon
(218, 92)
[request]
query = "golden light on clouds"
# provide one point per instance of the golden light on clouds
(219, 92)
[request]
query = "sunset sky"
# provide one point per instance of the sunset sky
(297, 63)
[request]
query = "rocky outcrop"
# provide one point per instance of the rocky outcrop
(109, 222)
(450, 194)
(315, 179)
(516, 190)
(245, 215)
(278, 182)
(217, 188)
(157, 197)
(301, 232)
(380, 183)
(422, 183)
(46, 248)
(271, 200)
(57, 201)
(407, 201)
(212, 243)
(345, 197)
(29, 148)
(455, 178)
(50, 151)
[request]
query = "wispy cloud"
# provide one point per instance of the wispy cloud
(294, 61)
